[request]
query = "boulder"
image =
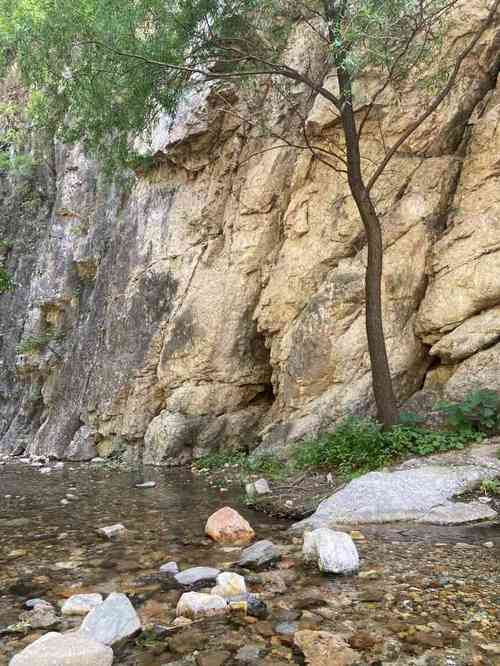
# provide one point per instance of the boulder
(227, 526)
(111, 621)
(83, 445)
(229, 585)
(197, 577)
(259, 555)
(321, 648)
(81, 604)
(194, 605)
(420, 490)
(55, 649)
(334, 552)
(256, 488)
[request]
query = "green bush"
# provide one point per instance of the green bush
(480, 410)
(358, 446)
(6, 281)
(36, 343)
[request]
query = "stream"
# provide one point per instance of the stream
(425, 595)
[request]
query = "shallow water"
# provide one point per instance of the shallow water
(52, 550)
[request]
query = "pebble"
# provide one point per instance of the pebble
(169, 568)
(257, 488)
(146, 484)
(111, 531)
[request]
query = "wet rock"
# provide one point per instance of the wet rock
(83, 445)
(335, 552)
(170, 568)
(146, 484)
(255, 607)
(257, 488)
(229, 585)
(420, 493)
(32, 603)
(227, 526)
(111, 531)
(194, 605)
(321, 648)
(216, 658)
(112, 621)
(272, 582)
(55, 649)
(81, 604)
(250, 654)
(363, 640)
(286, 628)
(259, 555)
(197, 577)
(41, 617)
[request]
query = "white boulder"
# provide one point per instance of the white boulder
(55, 649)
(194, 605)
(229, 585)
(334, 552)
(112, 621)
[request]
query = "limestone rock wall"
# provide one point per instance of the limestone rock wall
(217, 300)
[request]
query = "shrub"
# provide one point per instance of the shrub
(36, 343)
(358, 446)
(480, 410)
(6, 281)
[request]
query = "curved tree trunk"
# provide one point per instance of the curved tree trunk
(387, 408)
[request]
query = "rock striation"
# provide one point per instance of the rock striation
(217, 299)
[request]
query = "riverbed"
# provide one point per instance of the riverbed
(427, 595)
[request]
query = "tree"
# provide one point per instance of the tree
(101, 71)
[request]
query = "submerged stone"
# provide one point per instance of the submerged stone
(259, 555)
(197, 576)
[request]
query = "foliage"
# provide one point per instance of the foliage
(6, 281)
(358, 446)
(17, 164)
(99, 71)
(268, 465)
(490, 487)
(36, 343)
(479, 410)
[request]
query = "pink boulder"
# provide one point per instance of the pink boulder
(227, 526)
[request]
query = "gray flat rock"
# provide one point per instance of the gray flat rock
(420, 493)
(111, 621)
(197, 576)
(55, 649)
(259, 555)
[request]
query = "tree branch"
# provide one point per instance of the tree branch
(437, 100)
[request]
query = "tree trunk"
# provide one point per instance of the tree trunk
(387, 408)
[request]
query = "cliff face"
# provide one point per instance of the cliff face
(217, 300)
